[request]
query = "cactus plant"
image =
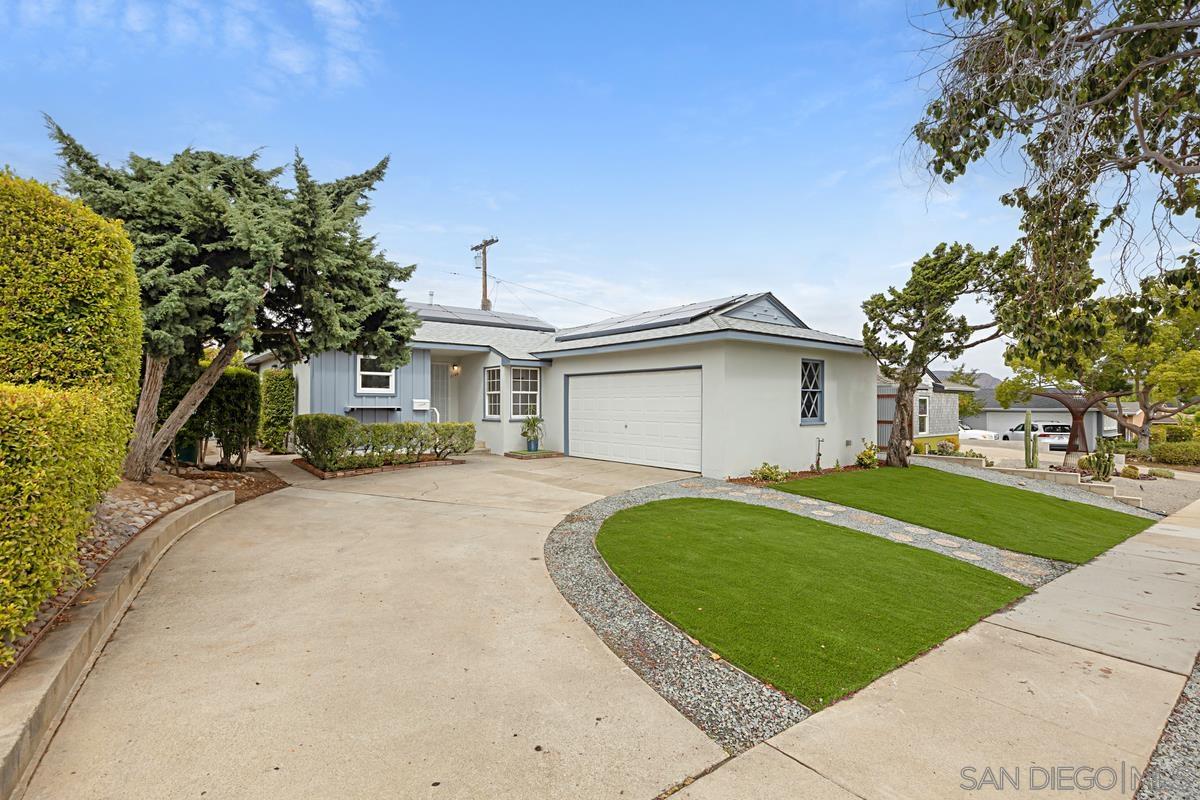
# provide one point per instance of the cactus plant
(1031, 445)
(1102, 461)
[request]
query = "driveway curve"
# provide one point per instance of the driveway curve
(391, 635)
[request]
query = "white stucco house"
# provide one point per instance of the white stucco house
(716, 387)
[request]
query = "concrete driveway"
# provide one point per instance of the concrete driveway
(391, 635)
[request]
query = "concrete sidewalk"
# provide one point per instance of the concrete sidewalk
(1074, 685)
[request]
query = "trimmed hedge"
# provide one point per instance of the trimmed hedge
(231, 411)
(60, 450)
(1176, 453)
(1180, 433)
(70, 346)
(278, 408)
(331, 442)
(72, 307)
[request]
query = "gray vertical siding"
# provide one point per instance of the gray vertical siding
(334, 389)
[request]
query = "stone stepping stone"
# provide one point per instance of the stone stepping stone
(691, 484)
(821, 513)
(900, 537)
(947, 542)
(738, 494)
(918, 531)
(966, 556)
(834, 509)
(807, 501)
(868, 519)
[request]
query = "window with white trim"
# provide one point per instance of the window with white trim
(491, 392)
(812, 392)
(373, 378)
(526, 389)
(922, 415)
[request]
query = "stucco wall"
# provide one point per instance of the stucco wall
(751, 401)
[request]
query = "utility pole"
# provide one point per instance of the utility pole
(481, 248)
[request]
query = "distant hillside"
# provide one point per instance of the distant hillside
(984, 380)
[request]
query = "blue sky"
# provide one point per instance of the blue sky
(628, 156)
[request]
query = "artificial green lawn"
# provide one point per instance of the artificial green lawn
(1002, 516)
(815, 609)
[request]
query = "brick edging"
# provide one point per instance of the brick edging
(350, 473)
(36, 696)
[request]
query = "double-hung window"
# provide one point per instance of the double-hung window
(812, 392)
(526, 389)
(372, 378)
(922, 415)
(491, 392)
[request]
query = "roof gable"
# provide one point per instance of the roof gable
(765, 307)
(648, 320)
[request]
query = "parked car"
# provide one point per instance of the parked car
(1054, 435)
(976, 433)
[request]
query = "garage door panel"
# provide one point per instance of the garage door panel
(651, 418)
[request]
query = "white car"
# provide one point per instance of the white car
(976, 433)
(1054, 435)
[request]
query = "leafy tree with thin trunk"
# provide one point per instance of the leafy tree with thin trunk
(968, 404)
(1077, 391)
(1098, 98)
(1160, 363)
(909, 328)
(228, 258)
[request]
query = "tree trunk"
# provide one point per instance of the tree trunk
(137, 461)
(183, 412)
(900, 440)
(1077, 441)
(1144, 435)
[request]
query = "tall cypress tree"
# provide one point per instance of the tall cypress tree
(225, 256)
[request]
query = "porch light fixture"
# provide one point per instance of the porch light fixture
(455, 369)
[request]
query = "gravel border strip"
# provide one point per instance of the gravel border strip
(733, 708)
(1174, 769)
(1064, 491)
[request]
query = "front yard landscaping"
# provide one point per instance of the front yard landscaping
(817, 610)
(1002, 516)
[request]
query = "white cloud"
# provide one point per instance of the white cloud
(323, 41)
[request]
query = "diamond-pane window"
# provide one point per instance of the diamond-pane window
(812, 391)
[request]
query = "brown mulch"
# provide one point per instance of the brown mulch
(126, 510)
(746, 480)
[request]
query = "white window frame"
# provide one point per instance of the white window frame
(359, 372)
(922, 416)
(525, 395)
(490, 394)
(819, 391)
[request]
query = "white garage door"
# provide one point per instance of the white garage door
(648, 418)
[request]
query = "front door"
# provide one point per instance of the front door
(439, 392)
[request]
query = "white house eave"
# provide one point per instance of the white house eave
(708, 336)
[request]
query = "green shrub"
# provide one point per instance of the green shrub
(446, 438)
(946, 447)
(70, 345)
(1130, 471)
(331, 442)
(1180, 433)
(60, 450)
(1159, 472)
(868, 457)
(231, 411)
(324, 439)
(771, 473)
(72, 313)
(278, 408)
(1124, 446)
(1176, 453)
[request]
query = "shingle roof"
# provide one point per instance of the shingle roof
(711, 323)
(515, 343)
(520, 340)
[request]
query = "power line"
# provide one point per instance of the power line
(499, 280)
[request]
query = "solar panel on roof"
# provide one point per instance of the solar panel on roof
(646, 320)
(475, 316)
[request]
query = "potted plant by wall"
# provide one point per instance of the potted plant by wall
(531, 429)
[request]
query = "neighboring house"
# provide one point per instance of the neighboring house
(1044, 409)
(934, 412)
(716, 387)
(983, 380)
